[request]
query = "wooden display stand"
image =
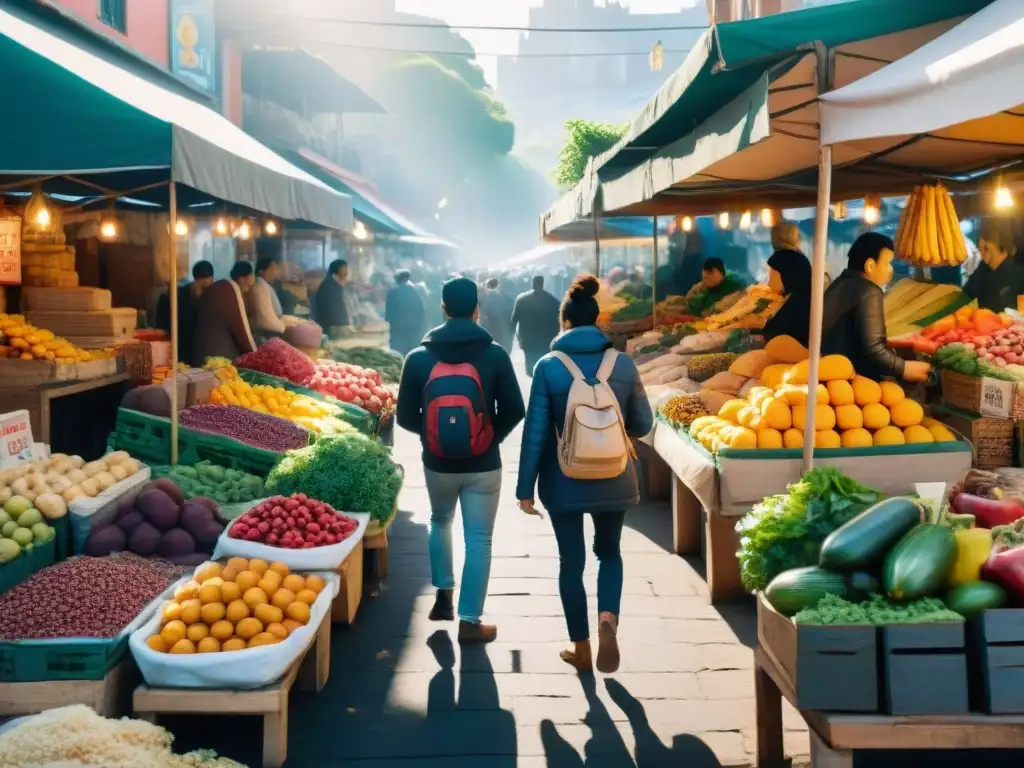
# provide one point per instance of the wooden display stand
(350, 594)
(377, 546)
(110, 697)
(36, 398)
(309, 672)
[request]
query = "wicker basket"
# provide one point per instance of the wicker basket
(138, 361)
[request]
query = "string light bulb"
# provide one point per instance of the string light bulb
(270, 227)
(221, 227)
(723, 220)
(1004, 198)
(872, 209)
(687, 224)
(745, 220)
(359, 231)
(43, 217)
(244, 231)
(180, 228)
(108, 230)
(767, 217)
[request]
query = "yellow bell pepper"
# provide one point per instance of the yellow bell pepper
(973, 546)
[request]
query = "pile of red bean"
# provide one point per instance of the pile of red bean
(84, 597)
(260, 430)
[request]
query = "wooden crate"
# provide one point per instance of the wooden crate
(114, 324)
(828, 668)
(992, 438)
(82, 299)
(995, 642)
(110, 697)
(925, 669)
(309, 672)
(965, 393)
(350, 595)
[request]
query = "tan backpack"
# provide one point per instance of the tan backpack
(593, 444)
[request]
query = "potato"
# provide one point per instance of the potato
(119, 472)
(59, 483)
(56, 458)
(90, 487)
(78, 461)
(104, 480)
(63, 467)
(132, 466)
(7, 477)
(93, 468)
(76, 476)
(21, 487)
(36, 481)
(117, 457)
(72, 493)
(5, 494)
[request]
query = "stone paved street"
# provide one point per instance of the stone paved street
(402, 693)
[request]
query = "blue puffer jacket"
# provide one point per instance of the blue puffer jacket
(546, 413)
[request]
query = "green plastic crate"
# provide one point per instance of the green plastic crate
(27, 563)
(225, 452)
(145, 437)
(31, 661)
(358, 417)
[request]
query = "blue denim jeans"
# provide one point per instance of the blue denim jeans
(477, 494)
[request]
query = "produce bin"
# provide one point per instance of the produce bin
(991, 437)
(27, 563)
(359, 418)
(981, 395)
(925, 669)
(996, 658)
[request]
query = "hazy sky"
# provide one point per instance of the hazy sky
(508, 13)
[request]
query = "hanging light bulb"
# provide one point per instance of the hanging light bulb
(180, 228)
(687, 223)
(270, 227)
(359, 231)
(221, 227)
(767, 217)
(108, 230)
(723, 220)
(1004, 198)
(745, 220)
(43, 217)
(872, 209)
(244, 231)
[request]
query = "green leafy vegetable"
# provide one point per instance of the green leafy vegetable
(1009, 536)
(835, 611)
(786, 531)
(351, 472)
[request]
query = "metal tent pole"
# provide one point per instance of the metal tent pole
(173, 288)
(597, 244)
(654, 274)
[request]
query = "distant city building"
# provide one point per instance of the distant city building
(738, 10)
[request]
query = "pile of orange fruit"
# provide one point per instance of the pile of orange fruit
(241, 604)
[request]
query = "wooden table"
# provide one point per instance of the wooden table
(37, 399)
(835, 737)
(309, 672)
(110, 697)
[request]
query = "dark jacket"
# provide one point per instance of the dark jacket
(496, 317)
(222, 328)
(535, 319)
(407, 316)
(188, 314)
(461, 341)
(853, 324)
(794, 316)
(538, 460)
(330, 305)
(996, 289)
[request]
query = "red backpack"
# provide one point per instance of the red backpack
(457, 422)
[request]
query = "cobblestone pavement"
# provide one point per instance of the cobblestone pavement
(402, 693)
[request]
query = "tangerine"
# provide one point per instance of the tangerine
(197, 632)
(209, 593)
(282, 598)
(269, 585)
(280, 569)
(307, 596)
(246, 580)
(229, 592)
(257, 565)
(291, 625)
(263, 638)
(207, 571)
(172, 632)
(213, 612)
(171, 611)
(248, 628)
(233, 644)
(237, 610)
(158, 644)
(293, 583)
(268, 614)
(298, 611)
(315, 583)
(222, 630)
(187, 591)
(254, 597)
(239, 564)
(183, 646)
(208, 645)
(191, 611)
(278, 630)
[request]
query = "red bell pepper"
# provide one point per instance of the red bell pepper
(988, 513)
(1006, 568)
(925, 346)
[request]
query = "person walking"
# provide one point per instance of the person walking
(586, 404)
(331, 306)
(459, 393)
(535, 321)
(405, 313)
(496, 314)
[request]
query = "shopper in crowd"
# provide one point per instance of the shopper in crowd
(789, 274)
(313, 279)
(331, 305)
(853, 317)
(999, 279)
(222, 325)
(459, 394)
(567, 499)
(188, 309)
(496, 313)
(264, 306)
(535, 319)
(405, 314)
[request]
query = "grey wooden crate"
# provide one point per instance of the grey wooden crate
(925, 669)
(996, 656)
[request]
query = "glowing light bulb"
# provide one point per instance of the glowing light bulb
(43, 217)
(244, 231)
(1004, 198)
(723, 220)
(270, 228)
(108, 230)
(687, 224)
(745, 220)
(870, 214)
(221, 227)
(359, 231)
(767, 217)
(180, 228)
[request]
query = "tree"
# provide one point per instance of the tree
(584, 139)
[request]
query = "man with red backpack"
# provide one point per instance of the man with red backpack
(460, 395)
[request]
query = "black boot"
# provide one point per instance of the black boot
(444, 609)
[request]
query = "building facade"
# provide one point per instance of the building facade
(721, 11)
(142, 25)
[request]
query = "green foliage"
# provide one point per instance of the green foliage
(835, 611)
(786, 531)
(584, 139)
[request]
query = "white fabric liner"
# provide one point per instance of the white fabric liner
(326, 558)
(973, 71)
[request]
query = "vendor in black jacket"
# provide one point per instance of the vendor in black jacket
(853, 322)
(999, 279)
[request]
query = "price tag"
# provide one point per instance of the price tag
(16, 441)
(996, 398)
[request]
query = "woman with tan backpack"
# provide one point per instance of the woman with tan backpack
(586, 405)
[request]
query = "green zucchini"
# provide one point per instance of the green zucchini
(867, 537)
(972, 598)
(798, 588)
(862, 585)
(919, 563)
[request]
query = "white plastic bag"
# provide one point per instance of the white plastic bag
(247, 669)
(326, 558)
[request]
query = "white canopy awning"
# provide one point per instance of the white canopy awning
(971, 77)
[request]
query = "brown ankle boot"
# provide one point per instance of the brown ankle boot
(470, 632)
(443, 609)
(608, 644)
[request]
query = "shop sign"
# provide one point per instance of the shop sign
(16, 442)
(194, 43)
(996, 398)
(10, 250)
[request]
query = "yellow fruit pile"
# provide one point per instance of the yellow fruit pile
(314, 415)
(31, 343)
(851, 411)
(244, 604)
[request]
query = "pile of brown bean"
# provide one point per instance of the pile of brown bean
(83, 597)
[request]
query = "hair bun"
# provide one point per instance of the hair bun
(584, 287)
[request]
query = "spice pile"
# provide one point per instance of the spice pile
(683, 409)
(259, 430)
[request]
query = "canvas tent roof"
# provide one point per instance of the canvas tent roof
(83, 116)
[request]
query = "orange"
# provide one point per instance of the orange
(229, 574)
(254, 597)
(172, 632)
(215, 581)
(157, 643)
(291, 625)
(222, 630)
(307, 596)
(197, 632)
(299, 612)
(233, 644)
(183, 646)
(171, 611)
(191, 611)
(315, 583)
(209, 593)
(282, 598)
(256, 565)
(238, 564)
(280, 569)
(213, 612)
(230, 591)
(246, 580)
(237, 610)
(248, 628)
(207, 571)
(268, 614)
(187, 591)
(269, 585)
(263, 638)
(280, 631)
(293, 583)
(208, 645)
